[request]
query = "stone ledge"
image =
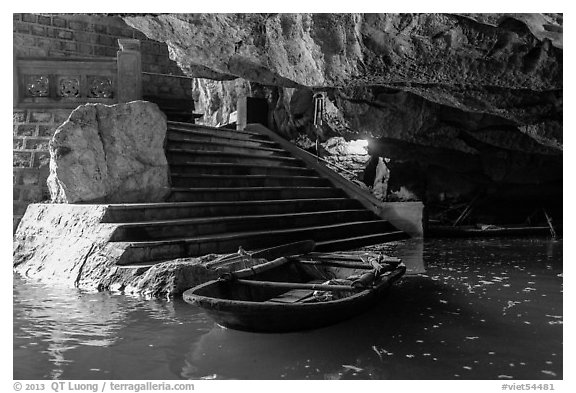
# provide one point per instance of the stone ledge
(68, 245)
(53, 243)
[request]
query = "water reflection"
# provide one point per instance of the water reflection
(483, 309)
(399, 339)
(87, 335)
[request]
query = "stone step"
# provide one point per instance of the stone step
(205, 181)
(229, 242)
(193, 146)
(359, 241)
(181, 156)
(123, 213)
(187, 128)
(185, 228)
(251, 193)
(325, 246)
(199, 136)
(239, 169)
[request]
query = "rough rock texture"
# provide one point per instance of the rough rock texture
(348, 158)
(481, 65)
(68, 245)
(170, 279)
(65, 244)
(218, 99)
(110, 153)
(461, 103)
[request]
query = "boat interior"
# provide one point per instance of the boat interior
(293, 272)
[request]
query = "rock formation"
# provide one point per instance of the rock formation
(485, 64)
(68, 245)
(110, 153)
(460, 103)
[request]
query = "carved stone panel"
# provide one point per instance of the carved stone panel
(37, 85)
(69, 86)
(100, 87)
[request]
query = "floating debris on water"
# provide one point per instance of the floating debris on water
(353, 368)
(378, 352)
(486, 282)
(510, 304)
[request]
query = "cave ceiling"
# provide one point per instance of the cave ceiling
(482, 85)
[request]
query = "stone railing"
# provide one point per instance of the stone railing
(69, 82)
(46, 90)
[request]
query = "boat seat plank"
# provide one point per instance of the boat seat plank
(295, 295)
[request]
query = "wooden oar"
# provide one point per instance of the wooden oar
(250, 271)
(351, 265)
(349, 257)
(295, 285)
(549, 220)
(225, 258)
(284, 250)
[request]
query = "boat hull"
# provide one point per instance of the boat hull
(266, 316)
(461, 232)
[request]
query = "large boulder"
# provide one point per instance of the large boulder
(110, 153)
(65, 244)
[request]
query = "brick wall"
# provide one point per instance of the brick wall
(32, 131)
(69, 35)
(73, 35)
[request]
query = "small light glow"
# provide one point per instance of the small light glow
(358, 146)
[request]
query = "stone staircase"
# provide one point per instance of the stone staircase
(240, 188)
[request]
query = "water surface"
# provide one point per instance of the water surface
(482, 309)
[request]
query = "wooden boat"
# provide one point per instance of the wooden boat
(486, 231)
(295, 293)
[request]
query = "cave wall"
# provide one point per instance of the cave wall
(462, 104)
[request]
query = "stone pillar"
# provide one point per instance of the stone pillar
(15, 82)
(129, 64)
(251, 110)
